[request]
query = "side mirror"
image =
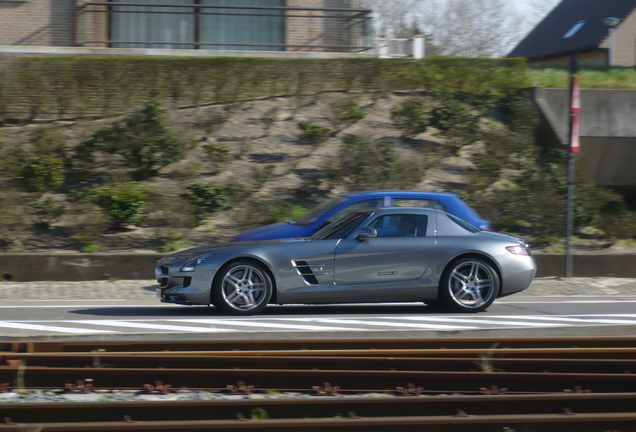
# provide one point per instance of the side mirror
(367, 232)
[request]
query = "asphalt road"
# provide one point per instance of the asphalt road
(128, 310)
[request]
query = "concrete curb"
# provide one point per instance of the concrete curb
(137, 289)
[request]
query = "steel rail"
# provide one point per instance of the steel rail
(205, 360)
(588, 422)
(320, 344)
(318, 407)
(556, 353)
(555, 384)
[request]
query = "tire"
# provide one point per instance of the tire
(469, 285)
(242, 288)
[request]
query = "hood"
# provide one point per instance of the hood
(281, 230)
(189, 254)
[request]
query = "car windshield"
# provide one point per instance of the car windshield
(312, 214)
(342, 227)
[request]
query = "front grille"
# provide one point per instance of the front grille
(161, 274)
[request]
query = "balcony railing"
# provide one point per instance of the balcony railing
(192, 25)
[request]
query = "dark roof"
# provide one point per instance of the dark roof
(546, 40)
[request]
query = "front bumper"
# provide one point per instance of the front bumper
(185, 288)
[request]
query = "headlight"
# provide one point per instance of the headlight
(191, 265)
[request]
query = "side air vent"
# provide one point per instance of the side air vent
(305, 271)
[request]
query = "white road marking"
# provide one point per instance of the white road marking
(265, 325)
(48, 328)
(564, 301)
(573, 319)
(75, 306)
(320, 324)
(74, 300)
(460, 320)
(373, 322)
(141, 325)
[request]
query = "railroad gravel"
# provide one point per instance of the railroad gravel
(135, 289)
(108, 396)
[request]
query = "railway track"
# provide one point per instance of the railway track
(583, 384)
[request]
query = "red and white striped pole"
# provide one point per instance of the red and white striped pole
(575, 109)
(574, 146)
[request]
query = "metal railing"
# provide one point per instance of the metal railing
(353, 25)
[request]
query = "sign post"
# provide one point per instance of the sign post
(573, 147)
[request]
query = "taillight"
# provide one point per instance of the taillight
(518, 250)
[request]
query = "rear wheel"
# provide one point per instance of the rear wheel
(469, 285)
(242, 288)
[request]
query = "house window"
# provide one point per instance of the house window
(177, 26)
(250, 28)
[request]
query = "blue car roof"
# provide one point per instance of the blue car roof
(398, 193)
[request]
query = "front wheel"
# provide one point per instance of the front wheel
(469, 285)
(242, 288)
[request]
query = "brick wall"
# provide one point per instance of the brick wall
(317, 30)
(37, 23)
(624, 42)
(91, 25)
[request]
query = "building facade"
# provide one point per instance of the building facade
(600, 33)
(254, 25)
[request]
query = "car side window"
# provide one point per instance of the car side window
(425, 203)
(401, 225)
(360, 205)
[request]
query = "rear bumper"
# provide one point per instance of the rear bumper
(518, 277)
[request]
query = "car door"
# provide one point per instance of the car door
(388, 258)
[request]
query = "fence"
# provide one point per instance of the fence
(396, 47)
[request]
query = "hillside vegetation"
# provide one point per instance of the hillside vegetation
(200, 151)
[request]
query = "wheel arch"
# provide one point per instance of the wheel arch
(250, 259)
(486, 258)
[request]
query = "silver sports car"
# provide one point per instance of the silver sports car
(397, 254)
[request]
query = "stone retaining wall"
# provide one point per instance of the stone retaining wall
(84, 267)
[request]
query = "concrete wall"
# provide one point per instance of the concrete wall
(76, 267)
(10, 52)
(607, 131)
(604, 112)
(83, 267)
(587, 265)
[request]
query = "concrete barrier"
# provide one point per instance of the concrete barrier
(71, 267)
(613, 265)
